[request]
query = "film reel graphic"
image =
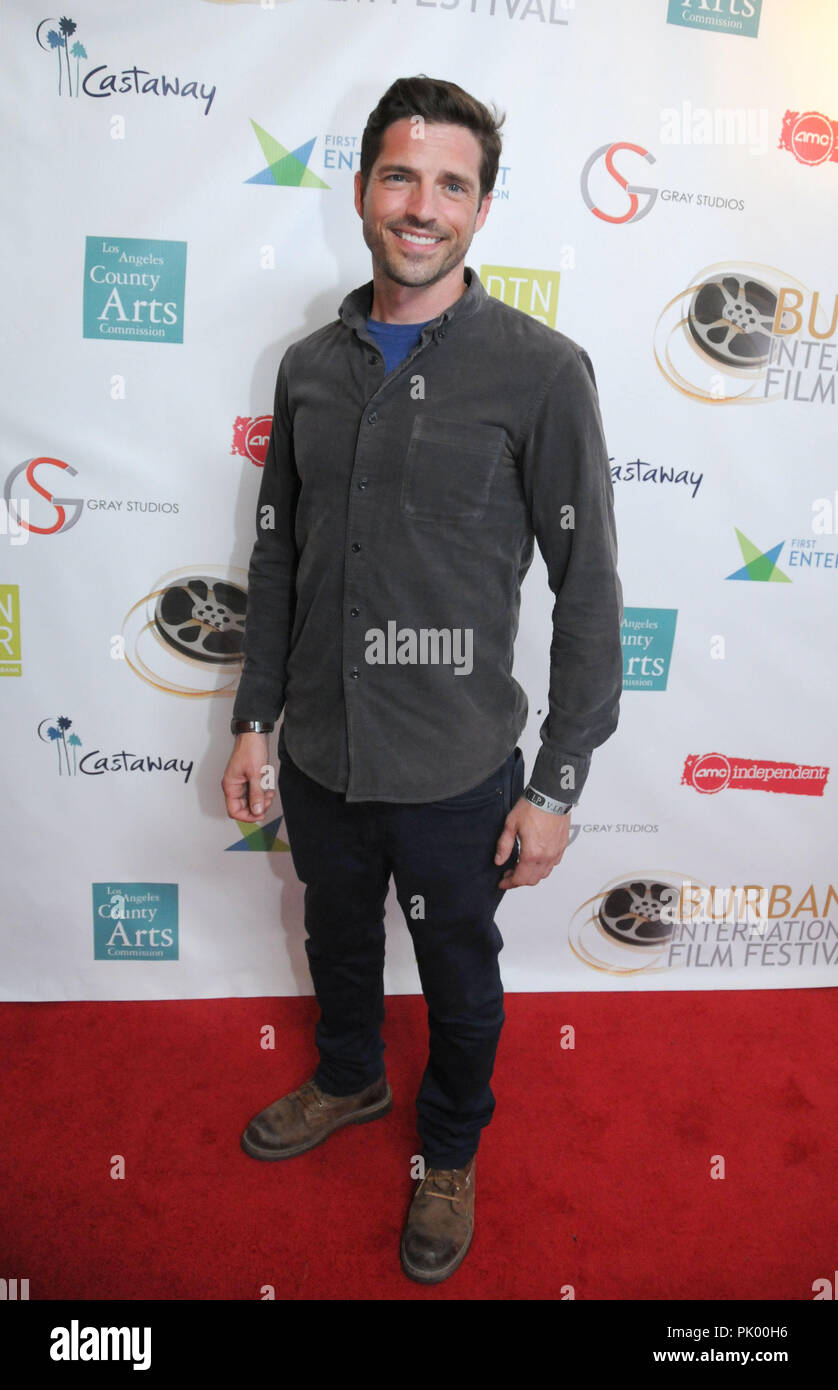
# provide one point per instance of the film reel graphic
(731, 319)
(193, 616)
(724, 320)
(628, 926)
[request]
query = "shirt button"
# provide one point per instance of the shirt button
(354, 673)
(372, 417)
(441, 333)
(354, 612)
(363, 483)
(356, 545)
(372, 358)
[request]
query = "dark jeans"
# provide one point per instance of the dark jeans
(441, 854)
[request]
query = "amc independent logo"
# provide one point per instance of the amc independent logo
(714, 772)
(251, 435)
(811, 137)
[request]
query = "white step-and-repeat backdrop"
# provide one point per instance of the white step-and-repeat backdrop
(178, 209)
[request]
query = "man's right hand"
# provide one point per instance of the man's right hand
(246, 798)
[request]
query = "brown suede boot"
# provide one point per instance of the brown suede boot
(440, 1224)
(306, 1117)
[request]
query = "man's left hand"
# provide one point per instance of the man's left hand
(543, 836)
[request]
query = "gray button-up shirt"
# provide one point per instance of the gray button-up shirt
(395, 523)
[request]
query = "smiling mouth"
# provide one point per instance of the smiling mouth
(417, 238)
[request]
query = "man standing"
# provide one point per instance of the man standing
(420, 444)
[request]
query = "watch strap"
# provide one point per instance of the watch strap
(251, 726)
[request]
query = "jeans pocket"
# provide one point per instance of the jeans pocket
(486, 793)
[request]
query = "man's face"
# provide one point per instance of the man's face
(422, 203)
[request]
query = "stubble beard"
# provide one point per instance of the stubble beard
(421, 275)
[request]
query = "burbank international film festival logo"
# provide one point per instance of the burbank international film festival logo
(135, 921)
(747, 333)
(101, 81)
(190, 624)
(134, 289)
(648, 923)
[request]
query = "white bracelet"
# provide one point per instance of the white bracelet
(547, 803)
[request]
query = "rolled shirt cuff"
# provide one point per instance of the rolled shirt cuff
(560, 775)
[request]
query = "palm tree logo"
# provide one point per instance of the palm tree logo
(56, 733)
(59, 41)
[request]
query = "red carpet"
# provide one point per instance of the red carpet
(595, 1173)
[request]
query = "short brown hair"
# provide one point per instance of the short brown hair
(437, 102)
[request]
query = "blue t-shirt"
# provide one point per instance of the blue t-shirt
(396, 340)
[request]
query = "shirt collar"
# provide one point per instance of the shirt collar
(356, 306)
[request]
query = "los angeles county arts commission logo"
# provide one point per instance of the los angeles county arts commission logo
(725, 16)
(748, 333)
(134, 289)
(135, 921)
(188, 627)
(654, 922)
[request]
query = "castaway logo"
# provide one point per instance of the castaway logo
(191, 623)
(96, 763)
(29, 481)
(647, 636)
(251, 435)
(135, 921)
(686, 126)
(263, 838)
(103, 81)
(711, 773)
(10, 664)
(811, 137)
(725, 16)
(134, 289)
(534, 292)
(652, 922)
(804, 553)
(748, 333)
(641, 471)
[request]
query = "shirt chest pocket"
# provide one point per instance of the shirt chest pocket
(449, 469)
